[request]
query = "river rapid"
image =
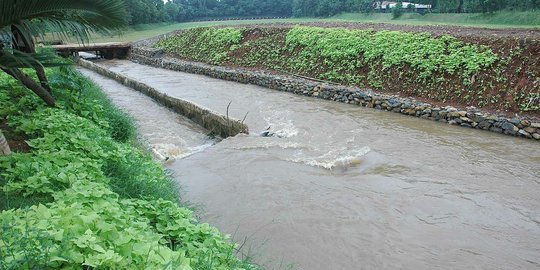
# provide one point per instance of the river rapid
(339, 186)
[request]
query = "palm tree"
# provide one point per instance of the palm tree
(4, 147)
(22, 21)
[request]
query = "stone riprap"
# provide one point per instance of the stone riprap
(216, 123)
(470, 117)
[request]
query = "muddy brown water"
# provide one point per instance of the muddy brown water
(167, 134)
(345, 187)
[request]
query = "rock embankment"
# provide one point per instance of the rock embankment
(470, 117)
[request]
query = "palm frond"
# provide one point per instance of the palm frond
(62, 18)
(21, 21)
(10, 59)
(111, 13)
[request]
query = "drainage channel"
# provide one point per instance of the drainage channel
(345, 187)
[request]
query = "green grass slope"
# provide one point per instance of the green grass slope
(500, 74)
(501, 19)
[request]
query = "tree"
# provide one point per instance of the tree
(24, 20)
(449, 6)
(410, 7)
(4, 146)
(366, 6)
(304, 8)
(328, 8)
(397, 11)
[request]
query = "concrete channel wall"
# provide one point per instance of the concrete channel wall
(216, 123)
(470, 118)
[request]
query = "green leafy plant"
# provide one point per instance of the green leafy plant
(84, 198)
(205, 43)
(90, 226)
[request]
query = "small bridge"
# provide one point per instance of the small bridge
(110, 50)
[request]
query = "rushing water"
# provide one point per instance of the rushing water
(168, 135)
(345, 187)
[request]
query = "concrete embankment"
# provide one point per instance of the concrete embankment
(216, 123)
(470, 117)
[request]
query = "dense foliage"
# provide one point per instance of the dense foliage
(339, 49)
(441, 68)
(323, 8)
(205, 43)
(86, 197)
(307, 49)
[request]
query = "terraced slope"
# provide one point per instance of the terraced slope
(491, 69)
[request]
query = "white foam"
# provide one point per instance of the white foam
(288, 130)
(169, 152)
(267, 144)
(280, 126)
(329, 161)
(197, 149)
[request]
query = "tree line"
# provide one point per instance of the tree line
(154, 11)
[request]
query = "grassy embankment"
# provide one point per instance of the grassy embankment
(144, 31)
(82, 195)
(503, 19)
(495, 74)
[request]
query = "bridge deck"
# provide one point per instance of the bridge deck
(92, 46)
(108, 50)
